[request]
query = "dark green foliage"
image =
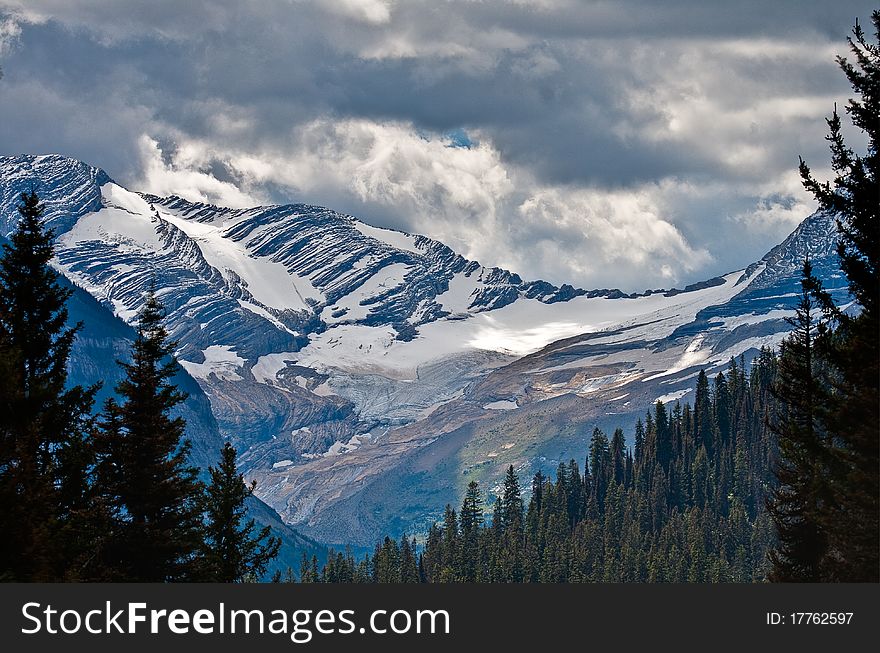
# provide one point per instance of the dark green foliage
(119, 502)
(143, 471)
(511, 502)
(233, 551)
(853, 194)
(45, 451)
(308, 569)
(471, 523)
(703, 413)
(802, 468)
(600, 470)
(618, 457)
(685, 515)
(509, 554)
(849, 348)
(721, 407)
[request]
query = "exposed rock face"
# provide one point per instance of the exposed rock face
(366, 375)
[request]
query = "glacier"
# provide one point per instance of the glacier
(365, 374)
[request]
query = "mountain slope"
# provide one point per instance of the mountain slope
(366, 374)
(540, 410)
(103, 340)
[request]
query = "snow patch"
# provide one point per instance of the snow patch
(673, 396)
(115, 196)
(694, 354)
(262, 312)
(458, 298)
(123, 312)
(598, 383)
(501, 405)
(517, 329)
(269, 282)
(267, 367)
(356, 305)
(731, 323)
(220, 360)
(126, 221)
(396, 239)
(338, 448)
(772, 341)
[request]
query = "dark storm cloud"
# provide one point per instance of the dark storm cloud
(675, 126)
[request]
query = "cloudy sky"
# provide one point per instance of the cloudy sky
(625, 143)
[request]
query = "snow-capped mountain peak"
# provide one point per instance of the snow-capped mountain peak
(346, 360)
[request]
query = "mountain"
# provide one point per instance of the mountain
(366, 374)
(105, 339)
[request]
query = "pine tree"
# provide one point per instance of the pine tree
(472, 508)
(512, 500)
(451, 547)
(305, 575)
(409, 568)
(386, 563)
(721, 407)
(143, 467)
(574, 491)
(308, 569)
(703, 413)
(618, 456)
(511, 553)
(432, 557)
(852, 351)
(600, 468)
(471, 521)
(639, 443)
(800, 471)
(663, 435)
(233, 550)
(45, 452)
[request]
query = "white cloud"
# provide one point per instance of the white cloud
(375, 12)
(418, 182)
(10, 31)
(781, 203)
(114, 22)
(620, 230)
(183, 177)
(616, 144)
(728, 102)
(466, 197)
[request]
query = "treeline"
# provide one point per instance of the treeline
(107, 497)
(684, 504)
